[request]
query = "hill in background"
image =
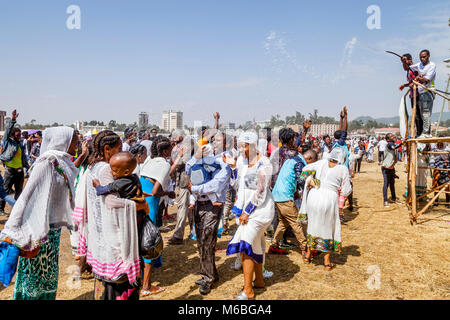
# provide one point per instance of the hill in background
(392, 120)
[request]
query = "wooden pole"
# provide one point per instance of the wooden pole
(432, 90)
(408, 170)
(437, 219)
(438, 169)
(434, 152)
(413, 180)
(413, 118)
(431, 191)
(412, 147)
(430, 202)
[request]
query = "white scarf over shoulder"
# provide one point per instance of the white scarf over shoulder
(47, 199)
(157, 169)
(108, 233)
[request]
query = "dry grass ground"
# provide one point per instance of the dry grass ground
(412, 260)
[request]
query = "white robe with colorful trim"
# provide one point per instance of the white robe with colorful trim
(254, 198)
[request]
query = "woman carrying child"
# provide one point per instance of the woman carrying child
(155, 178)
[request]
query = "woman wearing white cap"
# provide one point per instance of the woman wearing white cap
(254, 209)
(321, 206)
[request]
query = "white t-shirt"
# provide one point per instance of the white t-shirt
(428, 71)
(382, 145)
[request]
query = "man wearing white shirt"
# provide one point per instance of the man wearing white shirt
(381, 147)
(427, 74)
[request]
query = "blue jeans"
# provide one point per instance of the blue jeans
(426, 108)
(4, 195)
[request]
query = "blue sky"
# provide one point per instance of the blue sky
(245, 59)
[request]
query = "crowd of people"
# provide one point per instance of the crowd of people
(105, 189)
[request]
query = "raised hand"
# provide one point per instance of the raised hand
(307, 124)
(14, 115)
(229, 160)
(84, 148)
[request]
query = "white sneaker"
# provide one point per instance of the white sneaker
(386, 204)
(267, 274)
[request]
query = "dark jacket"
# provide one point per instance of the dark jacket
(10, 146)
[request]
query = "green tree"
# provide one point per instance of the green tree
(314, 116)
(299, 118)
(112, 124)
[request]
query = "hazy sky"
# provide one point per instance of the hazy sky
(245, 59)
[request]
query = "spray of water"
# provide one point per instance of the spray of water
(275, 46)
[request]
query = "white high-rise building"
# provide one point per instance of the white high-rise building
(172, 120)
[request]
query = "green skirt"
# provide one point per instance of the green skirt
(37, 278)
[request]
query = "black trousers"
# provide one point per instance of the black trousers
(380, 156)
(389, 181)
(12, 178)
(207, 218)
(358, 164)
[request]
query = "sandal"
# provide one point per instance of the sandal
(330, 266)
(243, 296)
(305, 259)
(145, 293)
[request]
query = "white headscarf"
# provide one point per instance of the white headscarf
(248, 137)
(47, 200)
(338, 154)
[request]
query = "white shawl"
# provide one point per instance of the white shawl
(157, 169)
(47, 199)
(109, 231)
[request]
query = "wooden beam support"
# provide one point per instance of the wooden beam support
(431, 191)
(431, 201)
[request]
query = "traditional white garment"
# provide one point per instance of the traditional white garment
(320, 204)
(370, 149)
(47, 200)
(79, 215)
(110, 230)
(255, 198)
(157, 169)
(421, 177)
(262, 147)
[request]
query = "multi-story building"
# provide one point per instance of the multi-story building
(172, 120)
(143, 120)
(2, 120)
(230, 126)
(317, 129)
(323, 129)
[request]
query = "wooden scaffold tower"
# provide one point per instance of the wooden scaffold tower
(412, 165)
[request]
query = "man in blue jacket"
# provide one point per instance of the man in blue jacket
(14, 160)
